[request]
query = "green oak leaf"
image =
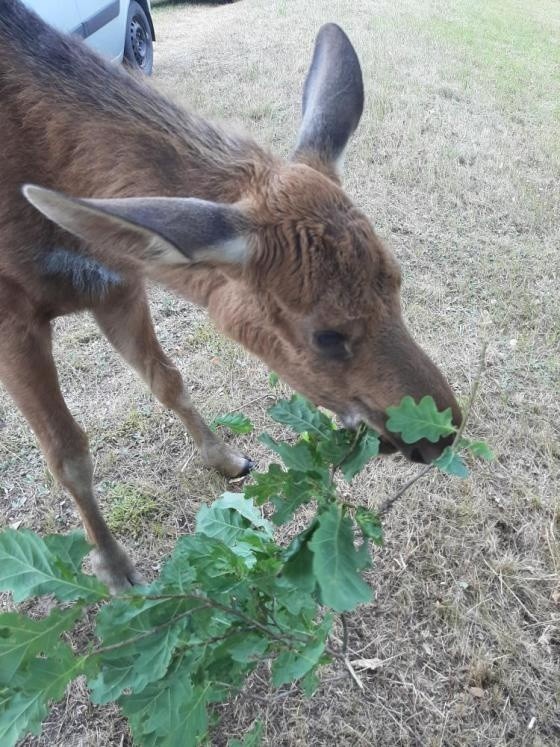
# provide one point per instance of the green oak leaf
(247, 647)
(235, 521)
(71, 548)
(287, 490)
(245, 507)
(478, 449)
(28, 567)
(22, 638)
(23, 708)
(219, 666)
(293, 665)
(298, 490)
(302, 417)
(124, 618)
(365, 449)
(136, 665)
(337, 447)
(289, 598)
(267, 484)
(301, 456)
(299, 541)
(170, 712)
(451, 462)
(370, 524)
(350, 451)
(210, 565)
(337, 563)
(177, 573)
(416, 421)
(309, 683)
(286, 507)
(235, 421)
(298, 569)
(20, 714)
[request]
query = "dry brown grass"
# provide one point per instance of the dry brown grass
(457, 163)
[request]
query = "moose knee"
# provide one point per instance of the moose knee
(70, 461)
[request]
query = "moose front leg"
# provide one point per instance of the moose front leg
(127, 324)
(28, 371)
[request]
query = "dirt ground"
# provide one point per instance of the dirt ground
(457, 162)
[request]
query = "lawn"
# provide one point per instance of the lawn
(457, 162)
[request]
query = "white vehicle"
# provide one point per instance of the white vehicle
(121, 30)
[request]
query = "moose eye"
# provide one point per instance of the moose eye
(332, 344)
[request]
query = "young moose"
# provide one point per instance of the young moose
(132, 187)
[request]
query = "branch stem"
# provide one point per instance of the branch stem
(212, 603)
(388, 503)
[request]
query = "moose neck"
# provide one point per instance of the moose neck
(146, 148)
(103, 133)
(76, 124)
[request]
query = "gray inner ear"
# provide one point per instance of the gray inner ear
(333, 96)
(188, 224)
(171, 229)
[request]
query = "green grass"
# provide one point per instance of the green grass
(509, 46)
(130, 510)
(135, 425)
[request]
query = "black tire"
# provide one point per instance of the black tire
(138, 43)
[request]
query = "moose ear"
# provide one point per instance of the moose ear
(333, 99)
(164, 230)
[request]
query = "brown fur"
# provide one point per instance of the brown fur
(72, 123)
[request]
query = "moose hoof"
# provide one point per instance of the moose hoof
(229, 462)
(249, 466)
(115, 569)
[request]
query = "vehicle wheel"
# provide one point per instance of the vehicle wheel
(138, 44)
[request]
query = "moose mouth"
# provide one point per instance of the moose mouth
(386, 447)
(423, 452)
(361, 414)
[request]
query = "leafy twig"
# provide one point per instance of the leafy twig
(359, 431)
(388, 503)
(146, 633)
(212, 603)
(266, 620)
